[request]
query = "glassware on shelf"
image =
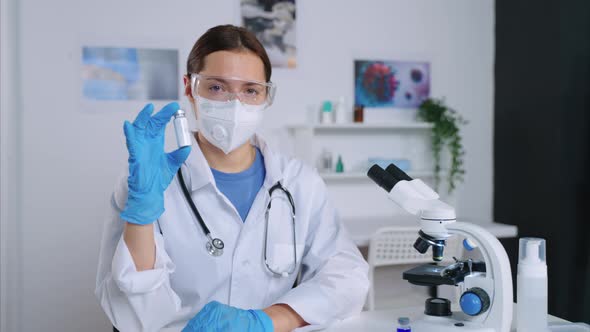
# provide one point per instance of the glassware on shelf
(359, 113)
(326, 161)
(339, 165)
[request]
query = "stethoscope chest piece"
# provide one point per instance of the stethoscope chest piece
(214, 246)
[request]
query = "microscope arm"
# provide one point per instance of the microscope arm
(498, 273)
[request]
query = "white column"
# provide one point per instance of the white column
(10, 110)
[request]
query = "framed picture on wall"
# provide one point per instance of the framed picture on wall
(273, 22)
(124, 74)
(391, 84)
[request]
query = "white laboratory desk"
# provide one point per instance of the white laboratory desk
(361, 229)
(386, 320)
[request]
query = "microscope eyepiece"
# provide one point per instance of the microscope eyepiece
(381, 177)
(397, 173)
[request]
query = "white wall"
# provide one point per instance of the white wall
(72, 152)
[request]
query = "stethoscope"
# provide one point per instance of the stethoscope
(215, 246)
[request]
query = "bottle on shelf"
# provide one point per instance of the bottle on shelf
(339, 165)
(340, 113)
(359, 113)
(326, 161)
(326, 116)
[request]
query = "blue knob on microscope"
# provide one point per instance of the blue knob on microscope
(468, 244)
(474, 301)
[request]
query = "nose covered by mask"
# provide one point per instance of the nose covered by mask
(227, 124)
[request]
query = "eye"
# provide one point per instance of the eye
(252, 92)
(215, 88)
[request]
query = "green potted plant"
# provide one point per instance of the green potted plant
(445, 133)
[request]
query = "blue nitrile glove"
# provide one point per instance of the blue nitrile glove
(150, 169)
(220, 317)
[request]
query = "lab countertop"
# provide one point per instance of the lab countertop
(361, 229)
(386, 320)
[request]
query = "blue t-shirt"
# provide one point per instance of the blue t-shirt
(241, 188)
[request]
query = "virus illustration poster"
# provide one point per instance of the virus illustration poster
(391, 84)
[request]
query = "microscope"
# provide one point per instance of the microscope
(486, 286)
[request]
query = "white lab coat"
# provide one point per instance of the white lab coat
(334, 279)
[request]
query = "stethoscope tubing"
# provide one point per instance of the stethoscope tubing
(285, 274)
(215, 246)
(192, 204)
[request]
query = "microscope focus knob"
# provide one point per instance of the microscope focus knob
(475, 301)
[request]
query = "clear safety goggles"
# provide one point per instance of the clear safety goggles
(226, 89)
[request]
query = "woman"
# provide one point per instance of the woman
(158, 267)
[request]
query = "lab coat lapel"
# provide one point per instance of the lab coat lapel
(272, 165)
(199, 171)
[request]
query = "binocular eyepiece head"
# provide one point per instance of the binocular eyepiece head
(387, 179)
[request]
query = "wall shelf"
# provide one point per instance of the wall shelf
(361, 141)
(363, 126)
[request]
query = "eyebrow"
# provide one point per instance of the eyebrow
(252, 83)
(216, 79)
(221, 80)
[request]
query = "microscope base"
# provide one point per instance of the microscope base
(447, 324)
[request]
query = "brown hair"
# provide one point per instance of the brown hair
(225, 38)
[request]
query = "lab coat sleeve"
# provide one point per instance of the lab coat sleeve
(334, 282)
(133, 300)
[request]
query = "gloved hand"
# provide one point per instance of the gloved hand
(150, 169)
(216, 317)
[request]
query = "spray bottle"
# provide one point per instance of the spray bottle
(531, 307)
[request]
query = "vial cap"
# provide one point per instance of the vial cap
(179, 113)
(403, 321)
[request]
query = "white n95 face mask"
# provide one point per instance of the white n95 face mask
(227, 124)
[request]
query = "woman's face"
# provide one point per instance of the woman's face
(245, 65)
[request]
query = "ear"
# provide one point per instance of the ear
(188, 88)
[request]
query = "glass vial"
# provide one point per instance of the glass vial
(403, 324)
(181, 129)
(326, 161)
